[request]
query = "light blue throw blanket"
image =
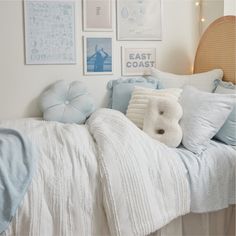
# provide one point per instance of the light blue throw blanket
(17, 162)
(211, 177)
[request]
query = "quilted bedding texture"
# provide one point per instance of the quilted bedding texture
(103, 178)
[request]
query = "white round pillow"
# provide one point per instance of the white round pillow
(161, 120)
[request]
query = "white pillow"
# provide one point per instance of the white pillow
(204, 114)
(140, 98)
(161, 120)
(201, 81)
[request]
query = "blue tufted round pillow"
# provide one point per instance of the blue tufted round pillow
(66, 102)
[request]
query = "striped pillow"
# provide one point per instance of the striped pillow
(139, 101)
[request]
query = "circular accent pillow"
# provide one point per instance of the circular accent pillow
(161, 120)
(66, 102)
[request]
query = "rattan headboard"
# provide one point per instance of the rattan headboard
(217, 48)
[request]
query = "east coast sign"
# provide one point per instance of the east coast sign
(138, 61)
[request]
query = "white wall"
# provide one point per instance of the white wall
(21, 84)
(229, 7)
(210, 11)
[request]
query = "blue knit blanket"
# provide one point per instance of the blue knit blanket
(17, 162)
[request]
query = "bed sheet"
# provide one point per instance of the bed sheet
(211, 176)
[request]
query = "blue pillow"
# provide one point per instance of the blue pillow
(66, 102)
(121, 90)
(204, 115)
(227, 133)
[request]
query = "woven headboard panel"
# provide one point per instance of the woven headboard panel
(217, 48)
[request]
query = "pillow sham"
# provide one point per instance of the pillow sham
(121, 90)
(204, 115)
(227, 133)
(161, 120)
(140, 98)
(202, 81)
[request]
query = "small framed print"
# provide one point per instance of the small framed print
(139, 19)
(138, 61)
(97, 15)
(98, 56)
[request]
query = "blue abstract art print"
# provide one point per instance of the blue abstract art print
(98, 55)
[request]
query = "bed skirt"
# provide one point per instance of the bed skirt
(220, 223)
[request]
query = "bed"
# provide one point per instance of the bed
(216, 49)
(90, 182)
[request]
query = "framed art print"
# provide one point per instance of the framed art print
(98, 55)
(138, 61)
(49, 32)
(97, 15)
(139, 19)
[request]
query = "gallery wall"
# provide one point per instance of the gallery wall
(20, 84)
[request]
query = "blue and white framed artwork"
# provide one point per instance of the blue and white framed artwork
(49, 32)
(98, 55)
(139, 20)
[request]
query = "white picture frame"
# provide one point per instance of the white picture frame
(46, 24)
(139, 20)
(98, 55)
(138, 61)
(97, 15)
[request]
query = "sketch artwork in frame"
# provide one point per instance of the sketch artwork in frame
(97, 15)
(49, 32)
(98, 56)
(139, 19)
(138, 61)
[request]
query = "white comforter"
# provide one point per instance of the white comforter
(107, 172)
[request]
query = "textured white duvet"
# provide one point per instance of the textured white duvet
(106, 176)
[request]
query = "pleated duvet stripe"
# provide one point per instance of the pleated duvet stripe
(100, 179)
(142, 175)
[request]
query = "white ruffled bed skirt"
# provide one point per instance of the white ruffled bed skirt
(220, 223)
